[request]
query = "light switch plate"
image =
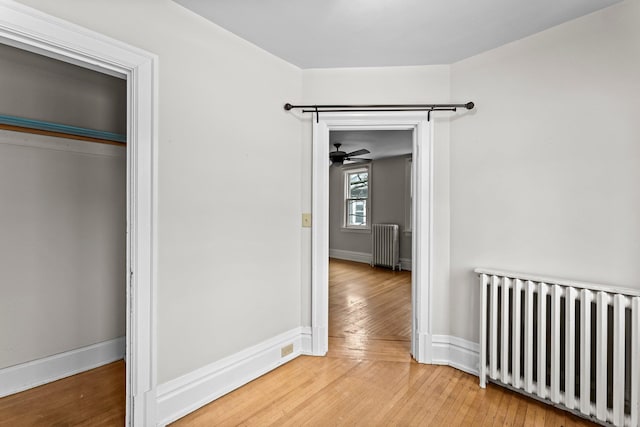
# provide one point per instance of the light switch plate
(306, 220)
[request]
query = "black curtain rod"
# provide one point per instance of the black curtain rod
(395, 107)
(345, 110)
(377, 107)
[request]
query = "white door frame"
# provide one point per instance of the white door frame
(29, 29)
(422, 218)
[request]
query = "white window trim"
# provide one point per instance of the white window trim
(345, 191)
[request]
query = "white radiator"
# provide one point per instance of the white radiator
(536, 338)
(385, 245)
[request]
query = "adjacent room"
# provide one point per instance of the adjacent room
(370, 243)
(213, 234)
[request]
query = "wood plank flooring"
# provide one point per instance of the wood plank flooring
(369, 312)
(92, 398)
(367, 379)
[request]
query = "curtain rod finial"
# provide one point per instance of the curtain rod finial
(469, 105)
(288, 106)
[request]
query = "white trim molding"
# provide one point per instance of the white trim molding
(456, 352)
(350, 256)
(422, 219)
(189, 392)
(305, 341)
(24, 376)
(346, 172)
(355, 230)
(29, 29)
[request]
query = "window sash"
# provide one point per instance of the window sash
(356, 212)
(358, 189)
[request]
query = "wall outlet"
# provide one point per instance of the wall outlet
(286, 350)
(306, 220)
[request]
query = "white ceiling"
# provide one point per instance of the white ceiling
(368, 33)
(381, 143)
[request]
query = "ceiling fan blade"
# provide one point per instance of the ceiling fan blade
(358, 152)
(359, 160)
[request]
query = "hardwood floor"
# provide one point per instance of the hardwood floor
(367, 379)
(92, 398)
(369, 312)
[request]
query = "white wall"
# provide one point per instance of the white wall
(228, 220)
(545, 172)
(40, 88)
(63, 245)
(387, 85)
(388, 190)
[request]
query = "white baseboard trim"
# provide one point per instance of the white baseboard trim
(456, 352)
(405, 263)
(189, 392)
(350, 256)
(421, 348)
(306, 341)
(24, 376)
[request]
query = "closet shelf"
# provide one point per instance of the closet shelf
(19, 124)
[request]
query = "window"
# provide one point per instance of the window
(356, 198)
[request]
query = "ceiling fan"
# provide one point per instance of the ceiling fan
(338, 157)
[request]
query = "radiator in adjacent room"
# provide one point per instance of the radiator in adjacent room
(571, 344)
(385, 245)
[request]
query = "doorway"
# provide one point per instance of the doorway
(27, 29)
(370, 260)
(63, 228)
(421, 220)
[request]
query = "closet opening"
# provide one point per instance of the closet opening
(24, 28)
(63, 244)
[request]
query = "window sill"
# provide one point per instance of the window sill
(355, 230)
